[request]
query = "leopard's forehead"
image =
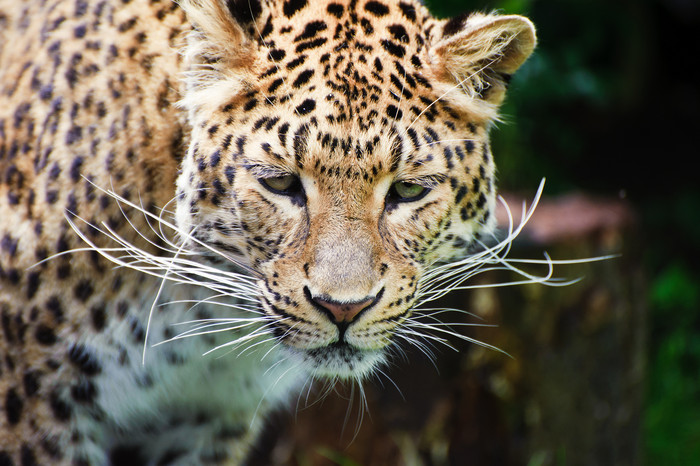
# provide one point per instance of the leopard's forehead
(343, 35)
(346, 86)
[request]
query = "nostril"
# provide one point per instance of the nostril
(339, 311)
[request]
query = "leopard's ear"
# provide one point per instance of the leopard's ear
(479, 53)
(220, 53)
(220, 27)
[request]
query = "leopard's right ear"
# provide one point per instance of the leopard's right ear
(221, 52)
(221, 29)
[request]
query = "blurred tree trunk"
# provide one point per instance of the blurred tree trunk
(570, 394)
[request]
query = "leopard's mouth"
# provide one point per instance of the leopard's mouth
(342, 360)
(328, 338)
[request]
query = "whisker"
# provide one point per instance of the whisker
(216, 320)
(153, 306)
(381, 372)
(199, 331)
(427, 336)
(218, 280)
(237, 342)
(267, 391)
(418, 341)
(160, 235)
(174, 228)
(197, 302)
(250, 347)
(442, 279)
(433, 311)
(461, 337)
(439, 323)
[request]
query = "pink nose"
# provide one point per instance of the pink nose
(343, 312)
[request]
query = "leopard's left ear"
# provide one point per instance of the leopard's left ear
(480, 52)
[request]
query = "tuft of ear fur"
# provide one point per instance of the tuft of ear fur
(220, 53)
(479, 53)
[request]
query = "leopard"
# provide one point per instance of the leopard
(206, 205)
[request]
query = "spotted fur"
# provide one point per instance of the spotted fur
(112, 110)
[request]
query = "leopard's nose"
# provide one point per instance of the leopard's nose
(341, 311)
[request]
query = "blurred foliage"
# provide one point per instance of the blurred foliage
(606, 105)
(673, 413)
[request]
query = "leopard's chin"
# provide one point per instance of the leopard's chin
(340, 361)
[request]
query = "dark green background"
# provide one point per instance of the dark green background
(608, 106)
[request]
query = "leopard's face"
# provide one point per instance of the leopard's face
(339, 149)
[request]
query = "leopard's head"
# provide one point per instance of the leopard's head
(339, 149)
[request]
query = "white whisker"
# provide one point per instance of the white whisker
(209, 329)
(379, 371)
(174, 228)
(419, 341)
(153, 306)
(434, 311)
(196, 302)
(237, 342)
(249, 347)
(271, 387)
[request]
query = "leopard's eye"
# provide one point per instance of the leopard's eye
(279, 183)
(286, 185)
(404, 191)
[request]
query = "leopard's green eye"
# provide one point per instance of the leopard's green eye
(406, 191)
(279, 183)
